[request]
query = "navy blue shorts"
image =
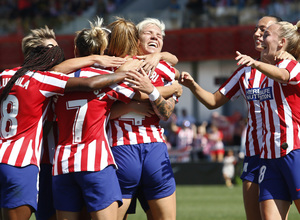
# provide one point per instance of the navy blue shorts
(146, 165)
(45, 208)
(251, 167)
(95, 190)
(280, 178)
(18, 186)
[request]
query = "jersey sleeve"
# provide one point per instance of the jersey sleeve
(166, 71)
(231, 88)
(51, 83)
(293, 67)
(121, 92)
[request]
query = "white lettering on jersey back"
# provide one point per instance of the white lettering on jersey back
(135, 118)
(20, 83)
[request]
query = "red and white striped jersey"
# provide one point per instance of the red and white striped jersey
(133, 128)
(82, 118)
(280, 103)
(246, 81)
(23, 114)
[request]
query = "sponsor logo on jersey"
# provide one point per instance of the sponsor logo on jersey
(252, 94)
(265, 94)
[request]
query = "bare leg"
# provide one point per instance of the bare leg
(149, 215)
(220, 157)
(123, 209)
(64, 215)
(164, 208)
(20, 213)
(53, 217)
(275, 209)
(109, 213)
(251, 204)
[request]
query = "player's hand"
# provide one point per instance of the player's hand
(150, 61)
(186, 79)
(284, 55)
(131, 64)
(109, 61)
(178, 88)
(139, 81)
(245, 60)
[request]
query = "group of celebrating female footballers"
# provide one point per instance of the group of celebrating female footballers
(88, 129)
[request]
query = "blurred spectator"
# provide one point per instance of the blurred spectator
(201, 149)
(111, 6)
(250, 13)
(237, 122)
(185, 117)
(6, 9)
(167, 126)
(25, 15)
(101, 9)
(22, 15)
(193, 9)
(229, 167)
(224, 126)
(185, 136)
(215, 137)
(174, 10)
(169, 146)
(239, 128)
(280, 8)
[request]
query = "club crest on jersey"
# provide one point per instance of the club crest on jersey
(265, 94)
(252, 94)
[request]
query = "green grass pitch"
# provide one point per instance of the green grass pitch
(208, 202)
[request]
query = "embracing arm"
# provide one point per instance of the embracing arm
(278, 74)
(168, 91)
(73, 64)
(152, 60)
(163, 108)
(170, 58)
(93, 83)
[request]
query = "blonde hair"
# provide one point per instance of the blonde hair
(93, 40)
(123, 38)
(36, 38)
(140, 26)
(290, 32)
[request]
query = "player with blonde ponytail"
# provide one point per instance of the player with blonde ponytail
(279, 178)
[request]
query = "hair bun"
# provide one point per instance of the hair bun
(295, 27)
